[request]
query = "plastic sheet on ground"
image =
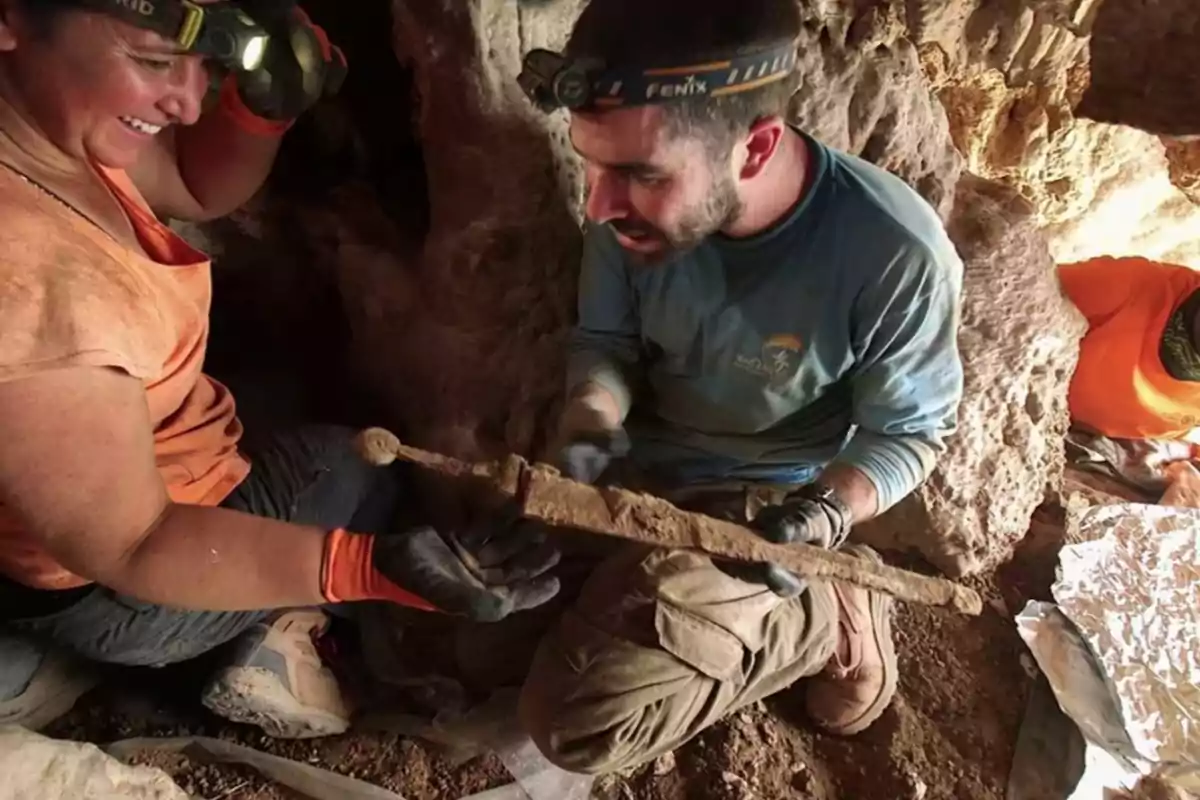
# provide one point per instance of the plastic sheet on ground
(1122, 647)
(1111, 762)
(1048, 760)
(309, 781)
(490, 727)
(1140, 463)
(493, 727)
(1134, 594)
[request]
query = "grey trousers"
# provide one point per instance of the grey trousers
(310, 476)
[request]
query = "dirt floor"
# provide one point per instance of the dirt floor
(949, 735)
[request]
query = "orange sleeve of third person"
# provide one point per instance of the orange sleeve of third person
(1120, 387)
(348, 573)
(1100, 286)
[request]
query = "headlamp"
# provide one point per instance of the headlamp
(222, 31)
(230, 36)
(552, 80)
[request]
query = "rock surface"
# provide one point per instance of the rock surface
(1027, 43)
(1096, 188)
(1118, 196)
(476, 364)
(863, 91)
(39, 768)
(1143, 64)
(1019, 343)
(1011, 75)
(1183, 165)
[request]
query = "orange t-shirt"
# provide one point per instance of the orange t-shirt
(71, 295)
(1120, 387)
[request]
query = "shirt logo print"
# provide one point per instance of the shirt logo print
(776, 361)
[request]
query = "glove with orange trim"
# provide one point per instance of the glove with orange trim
(485, 575)
(299, 67)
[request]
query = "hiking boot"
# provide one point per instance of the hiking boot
(859, 681)
(57, 682)
(277, 681)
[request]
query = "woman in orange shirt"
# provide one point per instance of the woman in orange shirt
(134, 527)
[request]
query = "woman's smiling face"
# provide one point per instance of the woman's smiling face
(96, 87)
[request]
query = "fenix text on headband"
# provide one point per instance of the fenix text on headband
(552, 80)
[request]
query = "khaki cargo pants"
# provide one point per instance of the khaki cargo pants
(661, 644)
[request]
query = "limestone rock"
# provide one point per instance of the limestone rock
(1005, 132)
(1019, 344)
(1183, 165)
(451, 271)
(1009, 75)
(1027, 42)
(38, 768)
(1143, 63)
(477, 362)
(1154, 787)
(863, 91)
(1115, 195)
(1097, 188)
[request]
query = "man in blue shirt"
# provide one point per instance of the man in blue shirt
(765, 324)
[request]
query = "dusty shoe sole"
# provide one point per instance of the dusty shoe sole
(881, 625)
(256, 696)
(59, 682)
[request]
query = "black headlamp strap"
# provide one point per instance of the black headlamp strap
(181, 21)
(552, 80)
(717, 78)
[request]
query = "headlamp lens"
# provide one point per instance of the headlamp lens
(232, 38)
(253, 50)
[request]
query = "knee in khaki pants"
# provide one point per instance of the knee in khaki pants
(660, 645)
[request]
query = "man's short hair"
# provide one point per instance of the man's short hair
(654, 33)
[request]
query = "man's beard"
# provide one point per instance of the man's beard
(721, 207)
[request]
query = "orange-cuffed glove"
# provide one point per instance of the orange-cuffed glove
(485, 576)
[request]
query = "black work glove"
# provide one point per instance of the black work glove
(586, 456)
(300, 65)
(811, 515)
(484, 575)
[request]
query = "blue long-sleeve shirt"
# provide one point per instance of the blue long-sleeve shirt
(831, 337)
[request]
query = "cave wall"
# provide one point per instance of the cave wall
(1019, 344)
(1143, 66)
(1031, 90)
(451, 249)
(863, 91)
(493, 278)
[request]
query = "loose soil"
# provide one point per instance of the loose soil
(949, 735)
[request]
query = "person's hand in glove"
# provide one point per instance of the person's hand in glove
(589, 438)
(298, 68)
(484, 575)
(811, 515)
